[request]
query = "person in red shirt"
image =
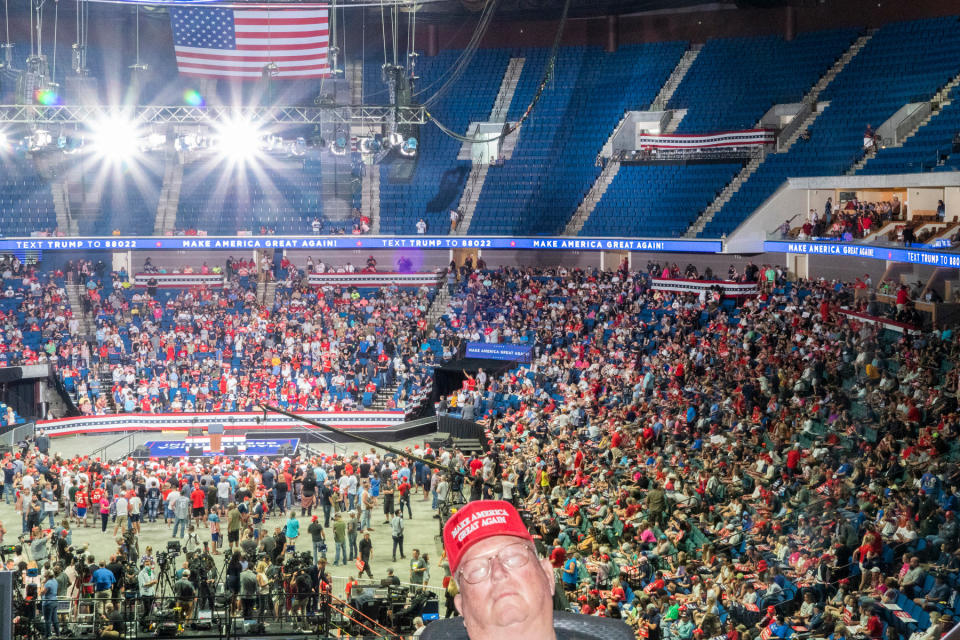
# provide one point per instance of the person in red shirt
(96, 495)
(404, 490)
(732, 633)
(475, 466)
(198, 498)
(82, 502)
(874, 625)
(793, 460)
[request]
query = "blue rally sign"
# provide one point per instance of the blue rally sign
(215, 243)
(498, 351)
(894, 254)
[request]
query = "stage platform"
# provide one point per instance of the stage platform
(393, 433)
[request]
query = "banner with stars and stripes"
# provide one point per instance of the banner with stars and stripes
(247, 44)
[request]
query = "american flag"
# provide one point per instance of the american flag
(239, 43)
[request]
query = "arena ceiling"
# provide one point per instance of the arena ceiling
(441, 10)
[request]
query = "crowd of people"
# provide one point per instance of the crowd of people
(776, 470)
(855, 220)
(220, 348)
(693, 467)
(238, 524)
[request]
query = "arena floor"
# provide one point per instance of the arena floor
(421, 530)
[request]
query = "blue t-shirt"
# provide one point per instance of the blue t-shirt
(103, 579)
(571, 565)
(50, 588)
(293, 528)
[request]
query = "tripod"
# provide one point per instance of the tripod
(164, 580)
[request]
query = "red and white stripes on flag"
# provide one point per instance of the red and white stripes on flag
(215, 42)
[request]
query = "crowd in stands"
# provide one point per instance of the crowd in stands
(213, 348)
(697, 468)
(773, 470)
(855, 220)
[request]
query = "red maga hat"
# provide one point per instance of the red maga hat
(477, 521)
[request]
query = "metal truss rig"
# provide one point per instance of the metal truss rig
(79, 114)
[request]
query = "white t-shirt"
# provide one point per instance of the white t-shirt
(134, 505)
(122, 507)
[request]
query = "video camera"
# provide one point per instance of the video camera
(297, 562)
(164, 557)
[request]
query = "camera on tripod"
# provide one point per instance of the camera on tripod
(297, 562)
(164, 557)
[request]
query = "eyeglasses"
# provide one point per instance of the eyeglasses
(513, 556)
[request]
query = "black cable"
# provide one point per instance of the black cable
(466, 56)
(547, 75)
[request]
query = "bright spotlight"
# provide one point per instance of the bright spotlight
(115, 138)
(239, 139)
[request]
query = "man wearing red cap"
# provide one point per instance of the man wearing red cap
(506, 590)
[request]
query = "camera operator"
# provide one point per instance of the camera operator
(114, 626)
(302, 588)
(147, 580)
(268, 547)
(61, 543)
(40, 546)
(186, 595)
(203, 574)
(116, 568)
(319, 577)
(131, 588)
(248, 591)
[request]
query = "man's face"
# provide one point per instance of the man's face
(506, 597)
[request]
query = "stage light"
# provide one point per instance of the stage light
(46, 97)
(339, 146)
(193, 98)
(115, 138)
(395, 139)
(409, 147)
(239, 139)
(156, 140)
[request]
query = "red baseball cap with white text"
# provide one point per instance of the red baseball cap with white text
(479, 520)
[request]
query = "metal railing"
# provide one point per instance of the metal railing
(18, 433)
(127, 438)
(207, 610)
(794, 125)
